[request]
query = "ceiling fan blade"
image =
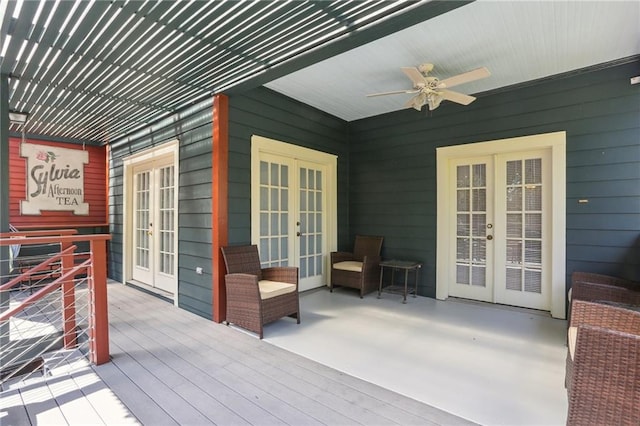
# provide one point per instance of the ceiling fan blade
(415, 75)
(466, 77)
(459, 98)
(395, 92)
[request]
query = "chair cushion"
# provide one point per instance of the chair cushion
(571, 340)
(350, 265)
(269, 289)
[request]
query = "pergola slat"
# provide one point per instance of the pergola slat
(96, 70)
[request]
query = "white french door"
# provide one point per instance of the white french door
(501, 232)
(154, 225)
(292, 217)
(291, 222)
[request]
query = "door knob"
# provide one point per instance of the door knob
(489, 237)
(298, 233)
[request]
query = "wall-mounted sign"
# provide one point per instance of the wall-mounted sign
(55, 179)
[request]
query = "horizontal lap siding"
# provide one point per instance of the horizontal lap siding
(266, 113)
(194, 205)
(393, 166)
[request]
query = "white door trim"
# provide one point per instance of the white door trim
(556, 143)
(260, 144)
(169, 149)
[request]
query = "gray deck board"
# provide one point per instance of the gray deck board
(172, 367)
(41, 404)
(75, 408)
(13, 408)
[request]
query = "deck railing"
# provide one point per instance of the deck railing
(53, 303)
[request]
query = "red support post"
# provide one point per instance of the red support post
(68, 300)
(98, 310)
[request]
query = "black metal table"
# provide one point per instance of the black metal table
(407, 266)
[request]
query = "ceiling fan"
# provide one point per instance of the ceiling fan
(431, 91)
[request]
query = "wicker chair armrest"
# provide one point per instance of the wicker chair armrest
(589, 277)
(283, 274)
(341, 256)
(371, 264)
(242, 286)
(583, 290)
(605, 316)
(605, 375)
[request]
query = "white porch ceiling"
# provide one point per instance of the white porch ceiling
(518, 41)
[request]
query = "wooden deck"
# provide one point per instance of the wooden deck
(172, 367)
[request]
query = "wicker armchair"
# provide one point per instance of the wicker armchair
(257, 296)
(360, 269)
(603, 365)
(597, 287)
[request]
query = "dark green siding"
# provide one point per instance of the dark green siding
(194, 131)
(393, 166)
(266, 113)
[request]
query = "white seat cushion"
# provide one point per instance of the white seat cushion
(571, 340)
(350, 265)
(269, 289)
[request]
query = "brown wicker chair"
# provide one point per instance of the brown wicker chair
(603, 365)
(597, 287)
(257, 296)
(360, 269)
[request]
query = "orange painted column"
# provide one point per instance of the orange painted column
(220, 219)
(98, 314)
(220, 192)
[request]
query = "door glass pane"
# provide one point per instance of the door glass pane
(464, 227)
(463, 176)
(533, 171)
(514, 279)
(524, 225)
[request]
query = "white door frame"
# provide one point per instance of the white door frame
(260, 145)
(556, 143)
(169, 149)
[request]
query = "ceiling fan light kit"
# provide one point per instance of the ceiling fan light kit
(431, 91)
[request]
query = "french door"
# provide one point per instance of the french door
(292, 217)
(501, 234)
(292, 222)
(154, 225)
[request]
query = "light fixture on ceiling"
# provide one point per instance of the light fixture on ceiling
(19, 118)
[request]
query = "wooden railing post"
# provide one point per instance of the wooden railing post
(98, 309)
(68, 300)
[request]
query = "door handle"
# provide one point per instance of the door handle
(298, 233)
(489, 237)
